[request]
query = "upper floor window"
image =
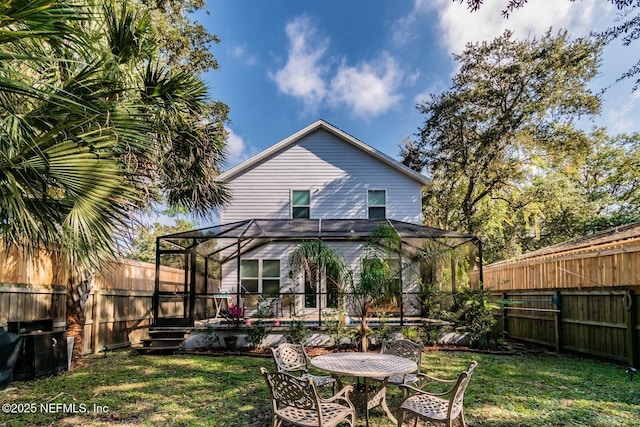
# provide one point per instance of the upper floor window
(377, 204)
(300, 204)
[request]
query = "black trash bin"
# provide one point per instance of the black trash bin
(10, 346)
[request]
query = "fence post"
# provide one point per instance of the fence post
(505, 296)
(95, 326)
(629, 297)
(558, 320)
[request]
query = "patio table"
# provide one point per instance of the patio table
(366, 366)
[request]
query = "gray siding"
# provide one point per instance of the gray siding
(351, 252)
(338, 176)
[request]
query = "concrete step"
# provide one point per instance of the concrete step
(164, 333)
(162, 342)
(163, 339)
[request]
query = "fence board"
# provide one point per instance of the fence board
(603, 266)
(119, 307)
(595, 322)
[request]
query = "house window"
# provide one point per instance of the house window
(310, 298)
(377, 204)
(249, 277)
(260, 276)
(333, 291)
(300, 204)
(270, 277)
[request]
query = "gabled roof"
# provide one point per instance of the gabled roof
(320, 124)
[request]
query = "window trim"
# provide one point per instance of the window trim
(384, 190)
(299, 206)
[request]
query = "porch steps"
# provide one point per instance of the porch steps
(164, 339)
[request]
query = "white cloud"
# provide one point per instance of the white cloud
(368, 90)
(404, 28)
(419, 98)
(237, 149)
(302, 75)
(459, 26)
(622, 117)
(240, 52)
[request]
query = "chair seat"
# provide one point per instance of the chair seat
(320, 380)
(332, 414)
(427, 406)
(400, 379)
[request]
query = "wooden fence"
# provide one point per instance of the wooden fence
(582, 300)
(597, 322)
(119, 308)
(608, 265)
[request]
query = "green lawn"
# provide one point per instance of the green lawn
(127, 390)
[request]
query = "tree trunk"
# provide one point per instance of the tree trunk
(364, 341)
(75, 328)
(78, 291)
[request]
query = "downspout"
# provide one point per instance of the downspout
(238, 274)
(319, 273)
(401, 286)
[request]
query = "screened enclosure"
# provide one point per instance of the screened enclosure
(246, 263)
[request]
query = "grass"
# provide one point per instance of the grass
(183, 390)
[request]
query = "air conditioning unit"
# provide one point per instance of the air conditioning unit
(44, 351)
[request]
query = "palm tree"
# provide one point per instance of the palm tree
(86, 123)
(61, 134)
(63, 186)
(375, 282)
(316, 260)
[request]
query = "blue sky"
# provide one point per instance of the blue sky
(364, 65)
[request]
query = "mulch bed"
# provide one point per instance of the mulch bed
(513, 348)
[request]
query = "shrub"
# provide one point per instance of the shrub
(210, 338)
(384, 332)
(299, 332)
(338, 329)
(412, 333)
(433, 301)
(473, 315)
(256, 334)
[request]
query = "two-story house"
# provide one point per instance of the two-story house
(319, 183)
(319, 173)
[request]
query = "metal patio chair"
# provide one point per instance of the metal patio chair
(436, 408)
(407, 349)
(296, 401)
(293, 358)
